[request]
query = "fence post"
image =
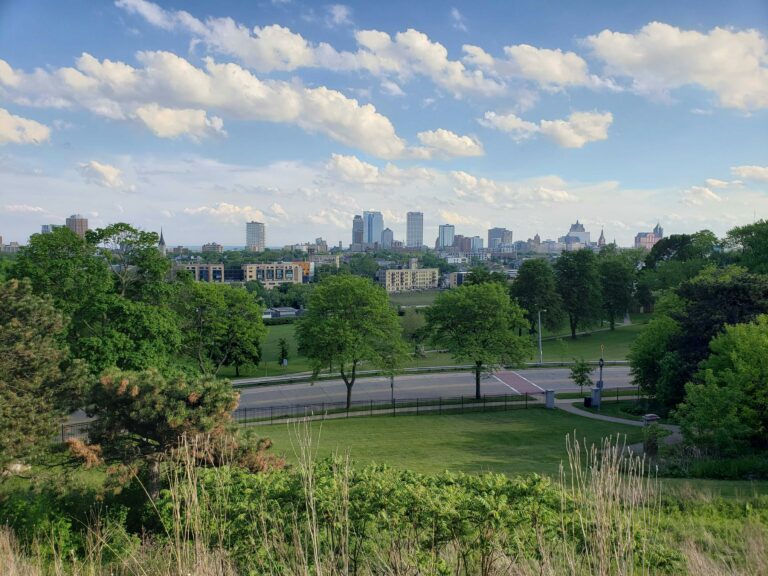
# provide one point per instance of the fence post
(505, 402)
(371, 407)
(617, 394)
(323, 408)
(485, 402)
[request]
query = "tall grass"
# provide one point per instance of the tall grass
(609, 511)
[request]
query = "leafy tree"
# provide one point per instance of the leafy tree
(222, 326)
(578, 283)
(137, 265)
(479, 324)
(349, 321)
(363, 265)
(580, 373)
(283, 344)
(65, 267)
(38, 386)
(413, 323)
(6, 266)
(430, 260)
(142, 415)
(683, 248)
(751, 244)
(617, 280)
(726, 407)
(648, 351)
(481, 274)
(535, 289)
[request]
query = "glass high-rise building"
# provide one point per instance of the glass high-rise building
(357, 230)
(254, 237)
(445, 235)
(373, 226)
(414, 234)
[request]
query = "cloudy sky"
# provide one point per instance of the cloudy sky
(198, 116)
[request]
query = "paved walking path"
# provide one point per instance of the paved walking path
(675, 436)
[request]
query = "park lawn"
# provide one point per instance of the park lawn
(609, 394)
(616, 342)
(618, 409)
(514, 442)
(423, 298)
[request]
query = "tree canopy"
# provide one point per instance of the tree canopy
(535, 289)
(481, 324)
(349, 321)
(578, 283)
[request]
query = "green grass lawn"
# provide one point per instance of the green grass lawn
(424, 298)
(609, 394)
(618, 409)
(513, 442)
(616, 342)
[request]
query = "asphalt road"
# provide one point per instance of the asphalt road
(445, 385)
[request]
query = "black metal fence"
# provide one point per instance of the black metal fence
(402, 407)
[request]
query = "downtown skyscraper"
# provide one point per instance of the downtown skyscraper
(373, 226)
(254, 237)
(414, 234)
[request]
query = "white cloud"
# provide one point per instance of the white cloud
(229, 213)
(152, 13)
(577, 130)
(508, 194)
(660, 58)
(715, 183)
(549, 68)
(174, 122)
(104, 175)
(699, 195)
(278, 210)
(339, 15)
(751, 172)
(457, 20)
(18, 130)
(353, 170)
(391, 88)
(447, 144)
(23, 209)
(173, 97)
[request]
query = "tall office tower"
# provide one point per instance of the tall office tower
(357, 230)
(387, 238)
(254, 237)
(373, 226)
(445, 233)
(78, 224)
(499, 236)
(414, 235)
(477, 243)
(49, 228)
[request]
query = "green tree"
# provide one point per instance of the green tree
(222, 326)
(481, 274)
(283, 345)
(142, 415)
(726, 406)
(535, 289)
(480, 324)
(578, 283)
(348, 321)
(363, 265)
(136, 263)
(648, 351)
(617, 281)
(751, 244)
(580, 373)
(38, 384)
(413, 323)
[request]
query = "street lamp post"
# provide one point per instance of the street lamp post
(541, 350)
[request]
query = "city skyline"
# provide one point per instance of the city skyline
(300, 115)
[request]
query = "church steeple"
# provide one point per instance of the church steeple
(601, 240)
(161, 243)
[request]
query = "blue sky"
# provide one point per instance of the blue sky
(199, 116)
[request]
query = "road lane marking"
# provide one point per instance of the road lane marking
(505, 384)
(528, 381)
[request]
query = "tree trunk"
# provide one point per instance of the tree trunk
(574, 324)
(612, 322)
(349, 395)
(237, 369)
(478, 369)
(154, 477)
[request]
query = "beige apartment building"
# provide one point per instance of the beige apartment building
(206, 272)
(410, 279)
(272, 275)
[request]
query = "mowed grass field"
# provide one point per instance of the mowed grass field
(424, 298)
(518, 441)
(616, 343)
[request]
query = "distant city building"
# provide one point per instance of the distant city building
(161, 244)
(321, 245)
(409, 279)
(462, 243)
(601, 240)
(476, 243)
(658, 230)
(373, 226)
(213, 247)
(48, 228)
(414, 235)
(387, 238)
(445, 234)
(78, 224)
(576, 238)
(358, 229)
(206, 272)
(275, 274)
(254, 237)
(180, 251)
(498, 237)
(646, 240)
